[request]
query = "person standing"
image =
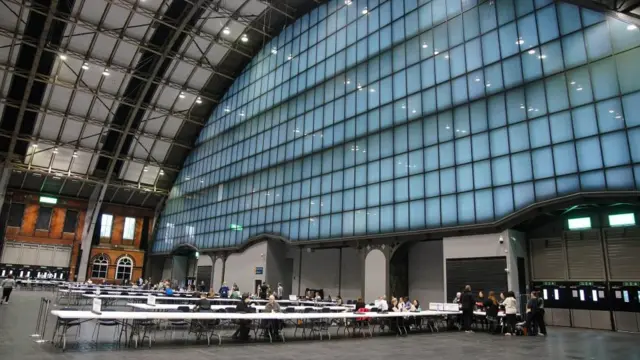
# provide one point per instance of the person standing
(510, 310)
(7, 287)
(539, 316)
(532, 311)
(280, 291)
(467, 302)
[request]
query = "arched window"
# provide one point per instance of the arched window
(99, 266)
(124, 268)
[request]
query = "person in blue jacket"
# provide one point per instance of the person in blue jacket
(224, 291)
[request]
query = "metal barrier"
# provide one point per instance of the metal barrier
(41, 324)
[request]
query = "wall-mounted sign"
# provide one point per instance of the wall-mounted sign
(48, 200)
(631, 283)
(259, 270)
(235, 227)
(549, 283)
(585, 283)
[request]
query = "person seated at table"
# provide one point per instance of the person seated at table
(382, 304)
(203, 303)
(394, 305)
(491, 310)
(338, 300)
(318, 297)
(272, 326)
(408, 306)
(242, 333)
(235, 294)
(415, 306)
(168, 291)
(360, 304)
(480, 301)
(235, 287)
(224, 291)
(456, 300)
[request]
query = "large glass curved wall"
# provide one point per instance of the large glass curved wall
(385, 116)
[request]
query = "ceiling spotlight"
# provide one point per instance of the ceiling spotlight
(227, 110)
(55, 150)
(436, 52)
(75, 154)
(348, 2)
(446, 56)
(477, 79)
(85, 66)
(365, 11)
(542, 57)
(198, 100)
(244, 38)
(145, 169)
(519, 41)
(226, 30)
(372, 90)
(611, 111)
(424, 45)
(531, 52)
(35, 145)
(182, 95)
(105, 72)
(631, 27)
(274, 50)
(63, 57)
(161, 172)
(289, 57)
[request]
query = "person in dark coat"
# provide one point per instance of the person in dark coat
(467, 303)
(242, 333)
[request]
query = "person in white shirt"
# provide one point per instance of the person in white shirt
(510, 310)
(381, 304)
(280, 291)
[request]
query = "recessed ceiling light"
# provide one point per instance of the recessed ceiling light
(75, 154)
(631, 27)
(226, 30)
(579, 89)
(531, 52)
(424, 45)
(365, 11)
(244, 38)
(55, 150)
(348, 2)
(446, 56)
(85, 66)
(198, 100)
(105, 72)
(611, 111)
(289, 57)
(372, 90)
(63, 57)
(477, 79)
(145, 169)
(488, 84)
(542, 57)
(182, 95)
(161, 172)
(227, 110)
(519, 41)
(274, 50)
(35, 145)
(436, 52)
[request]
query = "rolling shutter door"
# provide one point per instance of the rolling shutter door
(584, 255)
(623, 251)
(547, 259)
(486, 274)
(62, 257)
(45, 255)
(36, 255)
(11, 253)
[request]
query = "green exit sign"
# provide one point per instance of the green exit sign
(549, 283)
(631, 283)
(586, 283)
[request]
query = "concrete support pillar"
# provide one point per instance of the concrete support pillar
(90, 219)
(375, 273)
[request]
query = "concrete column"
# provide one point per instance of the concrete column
(376, 274)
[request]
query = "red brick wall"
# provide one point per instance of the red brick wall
(55, 236)
(114, 254)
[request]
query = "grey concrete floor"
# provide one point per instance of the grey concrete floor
(17, 322)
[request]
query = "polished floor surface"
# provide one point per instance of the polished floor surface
(17, 322)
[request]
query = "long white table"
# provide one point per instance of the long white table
(141, 315)
(187, 297)
(170, 307)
